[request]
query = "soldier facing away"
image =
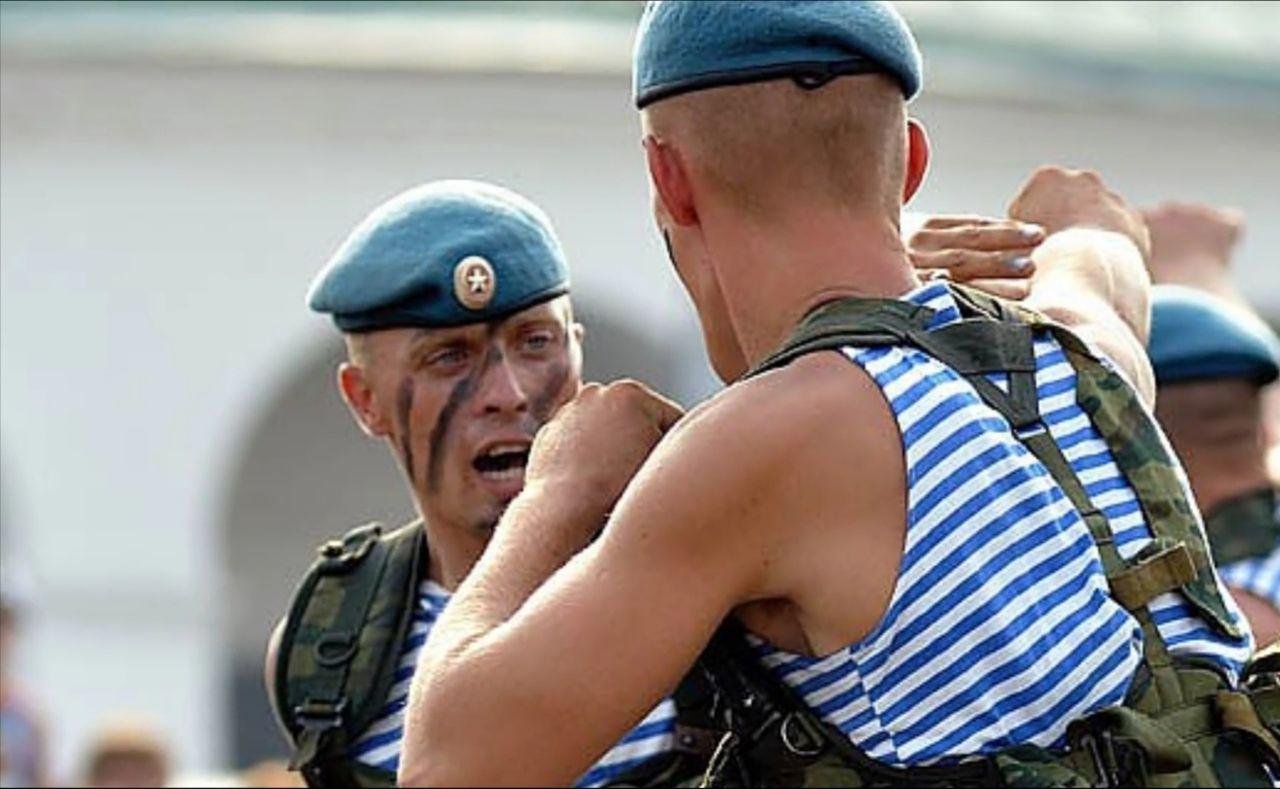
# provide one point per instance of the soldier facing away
(453, 301)
(945, 539)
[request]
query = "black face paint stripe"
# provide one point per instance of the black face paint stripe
(461, 393)
(542, 404)
(404, 406)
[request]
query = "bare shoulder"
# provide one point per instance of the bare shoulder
(767, 467)
(820, 390)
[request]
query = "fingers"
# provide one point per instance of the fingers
(963, 265)
(667, 413)
(663, 411)
(990, 235)
(941, 221)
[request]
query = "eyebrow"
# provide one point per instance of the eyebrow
(435, 337)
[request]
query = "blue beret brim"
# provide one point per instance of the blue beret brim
(807, 74)
(417, 312)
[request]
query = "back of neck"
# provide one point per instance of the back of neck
(787, 267)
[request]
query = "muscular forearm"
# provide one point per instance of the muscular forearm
(460, 686)
(1095, 283)
(1081, 270)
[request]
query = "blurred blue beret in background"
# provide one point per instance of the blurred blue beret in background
(1197, 336)
(687, 45)
(442, 254)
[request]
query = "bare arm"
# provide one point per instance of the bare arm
(529, 682)
(531, 690)
(1094, 282)
(1090, 274)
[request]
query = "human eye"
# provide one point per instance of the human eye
(446, 359)
(536, 340)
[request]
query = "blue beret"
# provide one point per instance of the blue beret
(442, 254)
(1195, 336)
(688, 45)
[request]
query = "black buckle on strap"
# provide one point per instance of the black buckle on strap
(1117, 762)
(319, 716)
(318, 721)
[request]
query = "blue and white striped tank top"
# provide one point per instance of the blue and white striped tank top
(379, 746)
(1259, 576)
(1000, 630)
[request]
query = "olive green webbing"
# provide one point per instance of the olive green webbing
(998, 341)
(322, 749)
(336, 662)
(1001, 339)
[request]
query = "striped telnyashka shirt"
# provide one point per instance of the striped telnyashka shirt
(1000, 630)
(1260, 576)
(379, 746)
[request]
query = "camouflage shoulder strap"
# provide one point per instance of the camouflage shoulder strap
(1112, 746)
(337, 656)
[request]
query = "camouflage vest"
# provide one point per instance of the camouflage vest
(1180, 724)
(1245, 527)
(342, 640)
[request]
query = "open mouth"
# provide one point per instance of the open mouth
(502, 462)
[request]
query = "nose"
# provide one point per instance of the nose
(500, 388)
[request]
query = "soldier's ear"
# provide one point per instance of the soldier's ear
(672, 189)
(917, 160)
(362, 400)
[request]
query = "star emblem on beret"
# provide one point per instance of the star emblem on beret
(473, 282)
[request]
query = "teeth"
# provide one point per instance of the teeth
(513, 473)
(502, 449)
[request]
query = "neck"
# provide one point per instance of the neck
(453, 549)
(789, 266)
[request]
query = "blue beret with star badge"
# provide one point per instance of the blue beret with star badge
(443, 254)
(687, 45)
(1197, 336)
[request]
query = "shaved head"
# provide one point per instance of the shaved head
(769, 145)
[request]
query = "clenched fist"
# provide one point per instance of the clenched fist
(1192, 245)
(1058, 198)
(597, 441)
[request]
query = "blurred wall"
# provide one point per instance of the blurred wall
(173, 445)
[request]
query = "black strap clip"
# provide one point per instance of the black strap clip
(317, 720)
(1116, 762)
(314, 715)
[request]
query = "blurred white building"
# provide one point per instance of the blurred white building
(171, 177)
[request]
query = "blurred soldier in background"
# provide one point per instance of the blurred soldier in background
(127, 753)
(1213, 361)
(1193, 245)
(953, 552)
(22, 736)
(453, 300)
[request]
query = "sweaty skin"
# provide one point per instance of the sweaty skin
(781, 501)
